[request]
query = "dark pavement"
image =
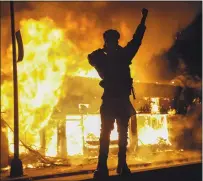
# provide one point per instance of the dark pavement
(191, 172)
(186, 172)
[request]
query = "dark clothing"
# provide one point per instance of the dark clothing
(117, 108)
(106, 128)
(114, 70)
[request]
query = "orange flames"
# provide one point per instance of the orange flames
(40, 76)
(153, 131)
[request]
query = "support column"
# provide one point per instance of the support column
(43, 141)
(16, 163)
(61, 140)
(133, 134)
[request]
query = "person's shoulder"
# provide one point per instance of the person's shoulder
(120, 48)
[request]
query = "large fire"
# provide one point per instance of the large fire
(40, 76)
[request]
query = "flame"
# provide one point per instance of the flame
(171, 111)
(155, 109)
(48, 54)
(40, 77)
(155, 128)
(52, 145)
(91, 124)
(153, 131)
(90, 74)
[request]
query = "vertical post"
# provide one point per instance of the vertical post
(83, 136)
(83, 110)
(16, 164)
(63, 140)
(43, 141)
(15, 83)
(58, 138)
(133, 134)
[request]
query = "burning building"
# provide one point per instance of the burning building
(73, 127)
(59, 94)
(81, 115)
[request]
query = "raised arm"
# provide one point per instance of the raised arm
(132, 47)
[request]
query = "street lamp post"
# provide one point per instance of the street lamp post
(16, 163)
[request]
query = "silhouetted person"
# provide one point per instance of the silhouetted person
(112, 63)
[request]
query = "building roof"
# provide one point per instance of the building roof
(80, 90)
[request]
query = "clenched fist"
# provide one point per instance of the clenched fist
(144, 12)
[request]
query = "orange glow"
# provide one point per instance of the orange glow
(40, 77)
(155, 109)
(172, 112)
(74, 133)
(48, 52)
(153, 131)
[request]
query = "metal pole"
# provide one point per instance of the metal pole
(15, 84)
(16, 164)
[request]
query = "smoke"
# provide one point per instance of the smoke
(187, 129)
(84, 23)
(183, 60)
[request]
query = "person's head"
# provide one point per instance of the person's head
(111, 38)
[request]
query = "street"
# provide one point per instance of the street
(192, 172)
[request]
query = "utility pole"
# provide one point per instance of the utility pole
(16, 163)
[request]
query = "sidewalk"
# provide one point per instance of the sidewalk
(50, 172)
(60, 171)
(135, 163)
(191, 172)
